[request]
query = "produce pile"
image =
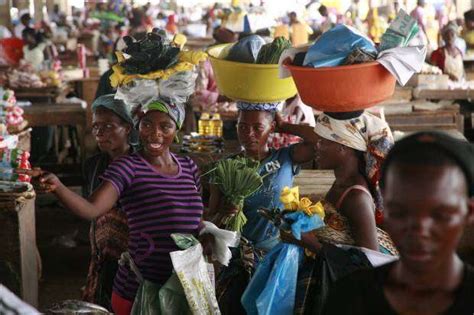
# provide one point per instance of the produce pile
(253, 49)
(152, 58)
(11, 158)
(152, 53)
(204, 144)
(51, 78)
(25, 76)
(11, 116)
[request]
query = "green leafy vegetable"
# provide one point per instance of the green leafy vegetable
(270, 53)
(237, 179)
(152, 53)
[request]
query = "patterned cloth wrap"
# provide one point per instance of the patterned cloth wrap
(267, 107)
(175, 111)
(366, 133)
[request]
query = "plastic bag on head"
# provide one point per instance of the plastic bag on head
(140, 91)
(178, 87)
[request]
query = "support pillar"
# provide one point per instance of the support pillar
(5, 17)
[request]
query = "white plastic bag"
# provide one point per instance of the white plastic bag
(178, 87)
(403, 62)
(140, 91)
(223, 240)
(193, 274)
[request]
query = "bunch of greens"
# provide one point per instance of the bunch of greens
(237, 178)
(152, 53)
(270, 53)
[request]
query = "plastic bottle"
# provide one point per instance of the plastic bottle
(204, 124)
(24, 164)
(217, 125)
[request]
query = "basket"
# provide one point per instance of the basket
(343, 88)
(257, 83)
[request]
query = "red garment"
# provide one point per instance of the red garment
(438, 57)
(120, 305)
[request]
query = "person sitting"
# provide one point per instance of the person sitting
(35, 51)
(25, 22)
(427, 184)
(449, 58)
(468, 30)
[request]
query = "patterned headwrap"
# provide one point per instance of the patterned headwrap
(175, 111)
(367, 133)
(267, 107)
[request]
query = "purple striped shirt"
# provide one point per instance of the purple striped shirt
(156, 206)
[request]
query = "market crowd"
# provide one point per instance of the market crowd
(382, 240)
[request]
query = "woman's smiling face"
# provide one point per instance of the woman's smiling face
(157, 131)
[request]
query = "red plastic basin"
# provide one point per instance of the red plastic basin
(343, 88)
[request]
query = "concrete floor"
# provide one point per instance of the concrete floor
(64, 268)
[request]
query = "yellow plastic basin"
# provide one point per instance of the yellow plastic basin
(249, 82)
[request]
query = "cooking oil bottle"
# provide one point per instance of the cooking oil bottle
(216, 125)
(204, 125)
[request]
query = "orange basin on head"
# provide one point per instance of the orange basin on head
(343, 88)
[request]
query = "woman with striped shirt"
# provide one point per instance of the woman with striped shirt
(159, 193)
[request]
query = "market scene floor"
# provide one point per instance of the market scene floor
(63, 243)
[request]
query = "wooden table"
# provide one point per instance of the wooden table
(18, 234)
(86, 89)
(439, 94)
(43, 95)
(67, 114)
(444, 119)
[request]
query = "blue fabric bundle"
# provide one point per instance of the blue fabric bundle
(333, 47)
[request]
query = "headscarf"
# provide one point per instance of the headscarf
(451, 26)
(119, 108)
(175, 111)
(366, 133)
(109, 101)
(267, 107)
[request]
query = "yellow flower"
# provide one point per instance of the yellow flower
(290, 198)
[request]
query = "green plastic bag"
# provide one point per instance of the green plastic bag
(172, 298)
(153, 299)
(147, 300)
(169, 299)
